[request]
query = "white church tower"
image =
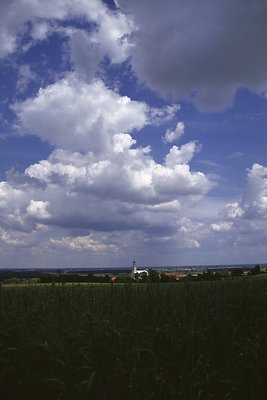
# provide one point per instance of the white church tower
(134, 268)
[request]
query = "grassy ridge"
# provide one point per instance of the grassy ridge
(186, 341)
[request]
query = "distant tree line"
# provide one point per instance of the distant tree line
(72, 278)
(152, 276)
(211, 275)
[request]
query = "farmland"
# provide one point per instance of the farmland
(192, 340)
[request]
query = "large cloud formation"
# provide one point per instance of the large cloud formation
(97, 160)
(78, 116)
(203, 51)
(38, 20)
(253, 204)
(109, 185)
(97, 182)
(243, 223)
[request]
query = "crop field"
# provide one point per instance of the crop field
(205, 340)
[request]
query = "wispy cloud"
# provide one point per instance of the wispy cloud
(235, 155)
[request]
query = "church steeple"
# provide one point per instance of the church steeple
(134, 268)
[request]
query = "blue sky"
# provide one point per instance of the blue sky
(132, 130)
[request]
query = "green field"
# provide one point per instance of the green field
(205, 340)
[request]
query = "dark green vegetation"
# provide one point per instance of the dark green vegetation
(202, 340)
(28, 276)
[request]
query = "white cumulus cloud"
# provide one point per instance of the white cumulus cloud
(182, 155)
(83, 243)
(173, 135)
(40, 19)
(38, 209)
(222, 226)
(76, 115)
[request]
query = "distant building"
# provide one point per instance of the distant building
(136, 271)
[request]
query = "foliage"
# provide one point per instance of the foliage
(124, 278)
(71, 278)
(203, 340)
(143, 277)
(165, 278)
(256, 270)
(208, 275)
(153, 275)
(237, 272)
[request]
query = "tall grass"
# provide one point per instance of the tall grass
(167, 341)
